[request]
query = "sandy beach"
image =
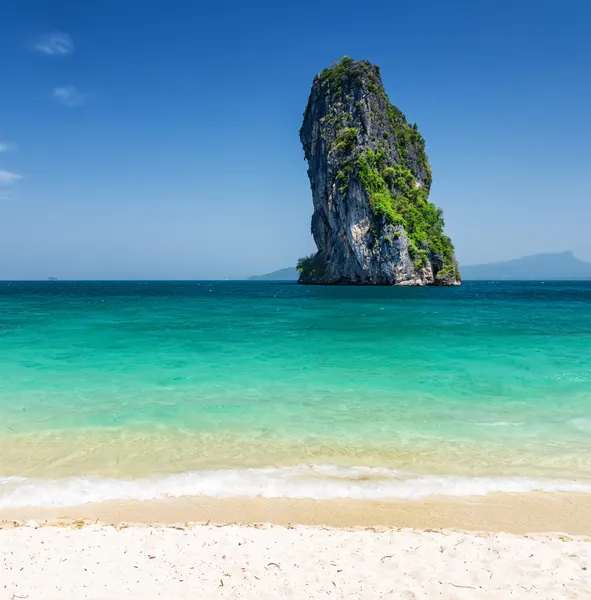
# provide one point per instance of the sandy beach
(212, 548)
(265, 561)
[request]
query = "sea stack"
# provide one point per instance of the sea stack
(370, 177)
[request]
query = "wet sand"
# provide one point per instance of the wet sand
(512, 513)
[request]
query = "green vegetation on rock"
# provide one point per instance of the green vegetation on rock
(364, 73)
(395, 195)
(346, 140)
(334, 76)
(311, 265)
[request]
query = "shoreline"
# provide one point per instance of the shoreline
(510, 513)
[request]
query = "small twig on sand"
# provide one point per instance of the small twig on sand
(385, 557)
(466, 587)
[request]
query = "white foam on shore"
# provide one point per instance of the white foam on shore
(316, 482)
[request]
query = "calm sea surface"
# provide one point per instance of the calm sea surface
(115, 390)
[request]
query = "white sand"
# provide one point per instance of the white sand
(207, 561)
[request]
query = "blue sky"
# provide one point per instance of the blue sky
(160, 139)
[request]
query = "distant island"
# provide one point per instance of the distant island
(545, 267)
(556, 266)
(287, 274)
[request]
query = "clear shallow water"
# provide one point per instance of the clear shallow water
(475, 388)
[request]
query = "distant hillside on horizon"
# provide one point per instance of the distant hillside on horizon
(551, 266)
(548, 266)
(287, 274)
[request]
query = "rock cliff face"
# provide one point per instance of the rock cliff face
(370, 179)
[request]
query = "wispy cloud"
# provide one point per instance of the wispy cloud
(8, 177)
(69, 96)
(55, 43)
(6, 147)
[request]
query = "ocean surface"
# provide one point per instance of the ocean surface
(140, 390)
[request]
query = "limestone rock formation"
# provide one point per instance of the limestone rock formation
(370, 180)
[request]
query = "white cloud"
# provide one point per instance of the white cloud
(7, 177)
(55, 43)
(69, 96)
(6, 147)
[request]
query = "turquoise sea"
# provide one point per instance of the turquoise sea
(120, 390)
